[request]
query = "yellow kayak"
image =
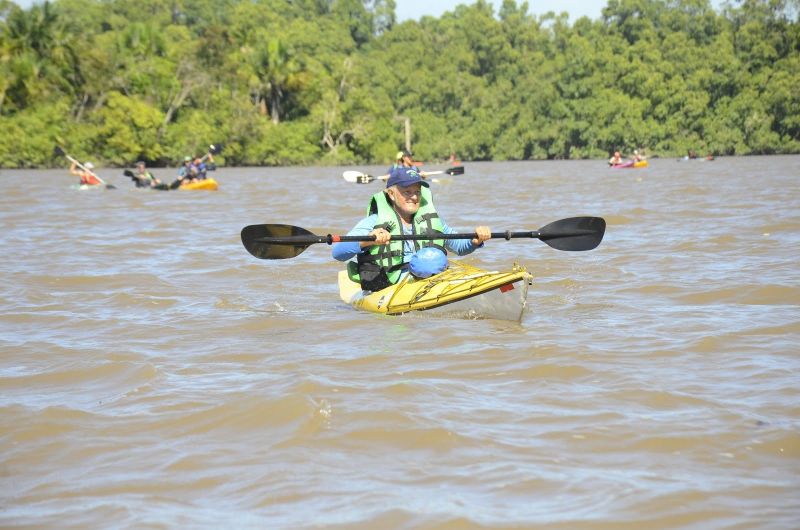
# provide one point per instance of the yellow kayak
(462, 290)
(205, 184)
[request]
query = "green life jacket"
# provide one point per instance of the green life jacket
(380, 266)
(144, 179)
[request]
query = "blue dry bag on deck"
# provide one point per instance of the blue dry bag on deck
(427, 261)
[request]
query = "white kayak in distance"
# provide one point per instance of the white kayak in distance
(461, 291)
(85, 187)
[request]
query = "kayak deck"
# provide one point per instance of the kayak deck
(462, 290)
(206, 184)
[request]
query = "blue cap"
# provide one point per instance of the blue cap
(405, 176)
(427, 261)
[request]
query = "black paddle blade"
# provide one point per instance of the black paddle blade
(257, 240)
(365, 179)
(215, 149)
(574, 233)
(58, 151)
(455, 170)
(110, 187)
(129, 173)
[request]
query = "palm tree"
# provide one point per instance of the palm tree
(276, 72)
(40, 54)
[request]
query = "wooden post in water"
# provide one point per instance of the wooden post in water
(407, 122)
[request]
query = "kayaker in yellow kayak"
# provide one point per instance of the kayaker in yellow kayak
(188, 171)
(404, 207)
(194, 169)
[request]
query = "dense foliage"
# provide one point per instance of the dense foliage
(283, 82)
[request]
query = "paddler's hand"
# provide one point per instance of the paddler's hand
(382, 237)
(483, 234)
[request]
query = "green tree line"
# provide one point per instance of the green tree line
(289, 82)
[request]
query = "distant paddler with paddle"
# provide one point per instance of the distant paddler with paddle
(404, 207)
(194, 169)
(143, 178)
(403, 159)
(188, 171)
(84, 171)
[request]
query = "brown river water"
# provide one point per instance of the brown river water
(153, 374)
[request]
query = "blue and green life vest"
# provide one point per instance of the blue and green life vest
(381, 265)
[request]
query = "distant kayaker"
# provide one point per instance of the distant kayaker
(188, 171)
(143, 178)
(87, 176)
(403, 159)
(616, 159)
(404, 207)
(202, 167)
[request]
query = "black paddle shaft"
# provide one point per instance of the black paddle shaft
(330, 239)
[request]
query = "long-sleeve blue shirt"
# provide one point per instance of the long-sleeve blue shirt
(347, 250)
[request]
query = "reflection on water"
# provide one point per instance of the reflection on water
(153, 373)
